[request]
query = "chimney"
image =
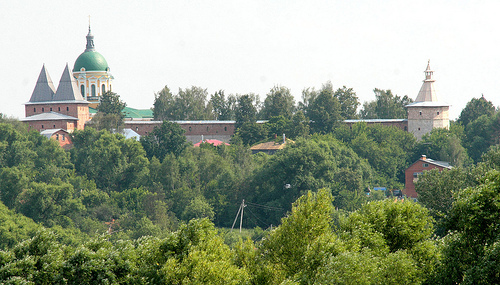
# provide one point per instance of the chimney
(424, 157)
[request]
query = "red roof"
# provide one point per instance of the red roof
(214, 142)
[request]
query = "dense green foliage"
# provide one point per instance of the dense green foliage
(385, 106)
(118, 211)
(109, 113)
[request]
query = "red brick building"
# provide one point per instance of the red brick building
(61, 136)
(416, 169)
(63, 108)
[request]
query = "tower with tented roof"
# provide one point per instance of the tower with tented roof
(427, 113)
(64, 108)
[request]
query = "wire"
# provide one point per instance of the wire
(264, 206)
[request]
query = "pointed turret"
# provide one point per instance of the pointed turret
(44, 88)
(67, 89)
(427, 92)
(90, 41)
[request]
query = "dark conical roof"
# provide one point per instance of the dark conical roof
(44, 88)
(67, 89)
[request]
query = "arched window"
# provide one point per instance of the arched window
(93, 90)
(103, 89)
(82, 89)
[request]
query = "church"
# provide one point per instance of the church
(71, 105)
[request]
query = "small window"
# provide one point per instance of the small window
(67, 109)
(63, 137)
(207, 129)
(59, 109)
(43, 109)
(136, 129)
(406, 128)
(54, 126)
(438, 113)
(420, 113)
(419, 129)
(42, 126)
(103, 89)
(416, 174)
(225, 129)
(189, 128)
(34, 109)
(51, 109)
(425, 164)
(57, 137)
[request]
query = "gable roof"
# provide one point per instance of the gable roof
(49, 132)
(44, 88)
(49, 116)
(443, 164)
(67, 90)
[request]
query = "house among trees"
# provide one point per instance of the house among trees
(59, 135)
(416, 169)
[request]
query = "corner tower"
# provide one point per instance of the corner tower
(427, 113)
(92, 74)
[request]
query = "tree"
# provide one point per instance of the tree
(164, 105)
(250, 133)
(474, 109)
(318, 162)
(324, 111)
(109, 113)
(279, 102)
(480, 134)
(304, 239)
(349, 102)
(190, 104)
(113, 162)
(385, 106)
(223, 108)
(299, 126)
(473, 234)
(167, 138)
(387, 149)
(442, 144)
(245, 111)
(308, 96)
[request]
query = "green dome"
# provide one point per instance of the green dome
(91, 61)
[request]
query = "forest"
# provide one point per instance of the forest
(159, 211)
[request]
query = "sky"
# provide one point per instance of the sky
(251, 46)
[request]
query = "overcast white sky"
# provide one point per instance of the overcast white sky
(250, 46)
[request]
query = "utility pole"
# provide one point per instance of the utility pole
(241, 217)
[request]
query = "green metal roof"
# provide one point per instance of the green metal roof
(137, 113)
(91, 61)
(131, 113)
